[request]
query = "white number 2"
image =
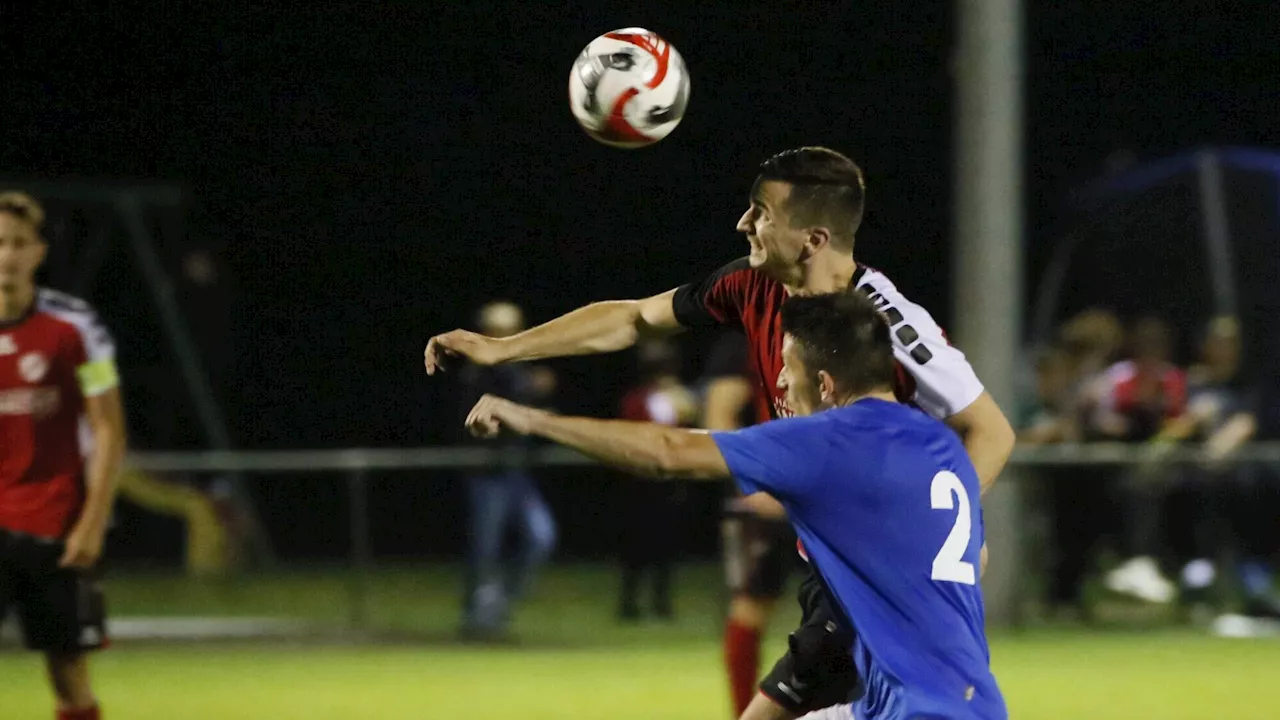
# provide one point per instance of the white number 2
(948, 565)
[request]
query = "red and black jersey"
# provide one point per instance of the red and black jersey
(932, 374)
(51, 359)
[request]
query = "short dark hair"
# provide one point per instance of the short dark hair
(844, 334)
(826, 187)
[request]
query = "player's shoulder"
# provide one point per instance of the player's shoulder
(886, 295)
(76, 316)
(740, 273)
(63, 306)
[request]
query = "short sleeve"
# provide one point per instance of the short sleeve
(945, 382)
(94, 355)
(717, 299)
(780, 457)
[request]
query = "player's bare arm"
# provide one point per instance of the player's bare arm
(987, 436)
(726, 397)
(105, 414)
(645, 448)
(601, 327)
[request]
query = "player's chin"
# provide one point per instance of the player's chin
(758, 258)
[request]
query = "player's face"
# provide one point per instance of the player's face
(775, 245)
(803, 386)
(21, 252)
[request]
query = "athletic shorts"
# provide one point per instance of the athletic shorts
(60, 609)
(759, 553)
(817, 670)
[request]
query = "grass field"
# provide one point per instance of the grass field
(573, 661)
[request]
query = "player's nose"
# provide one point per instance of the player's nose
(744, 222)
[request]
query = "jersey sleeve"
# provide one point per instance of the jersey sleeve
(945, 382)
(778, 457)
(717, 299)
(94, 354)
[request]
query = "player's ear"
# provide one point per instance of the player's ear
(819, 238)
(826, 388)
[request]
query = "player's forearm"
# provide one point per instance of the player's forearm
(602, 327)
(106, 462)
(644, 448)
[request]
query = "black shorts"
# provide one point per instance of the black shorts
(60, 610)
(817, 670)
(759, 553)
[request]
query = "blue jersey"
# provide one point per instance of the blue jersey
(887, 504)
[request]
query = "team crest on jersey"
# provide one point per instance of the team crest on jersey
(7, 345)
(32, 367)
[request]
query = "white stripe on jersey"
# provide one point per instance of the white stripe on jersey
(97, 342)
(945, 382)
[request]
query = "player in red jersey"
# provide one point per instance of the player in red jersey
(758, 541)
(57, 379)
(805, 208)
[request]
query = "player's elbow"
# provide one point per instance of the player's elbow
(682, 455)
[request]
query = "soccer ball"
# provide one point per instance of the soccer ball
(629, 88)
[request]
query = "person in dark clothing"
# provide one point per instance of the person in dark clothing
(504, 494)
(651, 511)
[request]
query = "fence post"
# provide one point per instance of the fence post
(361, 548)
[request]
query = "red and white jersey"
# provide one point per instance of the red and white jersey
(51, 359)
(932, 374)
(1143, 399)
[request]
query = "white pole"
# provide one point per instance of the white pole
(988, 245)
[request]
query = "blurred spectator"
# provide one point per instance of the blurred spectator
(506, 493)
(1050, 418)
(1085, 346)
(1090, 342)
(651, 517)
(1138, 401)
(1222, 413)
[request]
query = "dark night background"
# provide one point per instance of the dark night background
(370, 173)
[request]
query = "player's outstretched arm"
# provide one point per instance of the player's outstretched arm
(645, 448)
(601, 327)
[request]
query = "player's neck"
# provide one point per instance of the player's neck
(15, 304)
(828, 272)
(885, 395)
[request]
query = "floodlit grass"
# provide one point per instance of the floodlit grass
(573, 661)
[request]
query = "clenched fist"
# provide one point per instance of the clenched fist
(492, 414)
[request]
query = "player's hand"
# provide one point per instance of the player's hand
(82, 548)
(460, 344)
(492, 414)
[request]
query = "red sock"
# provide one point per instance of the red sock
(89, 713)
(742, 660)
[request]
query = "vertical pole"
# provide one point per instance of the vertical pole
(988, 249)
(1217, 236)
(193, 373)
(361, 547)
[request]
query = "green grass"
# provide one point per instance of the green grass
(573, 661)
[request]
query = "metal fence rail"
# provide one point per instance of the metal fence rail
(358, 462)
(426, 458)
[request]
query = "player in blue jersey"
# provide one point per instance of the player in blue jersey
(884, 497)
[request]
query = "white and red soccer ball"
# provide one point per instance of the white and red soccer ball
(629, 88)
